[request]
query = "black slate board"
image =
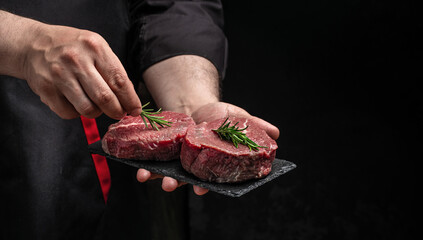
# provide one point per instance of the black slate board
(174, 169)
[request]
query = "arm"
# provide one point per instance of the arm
(15, 38)
(73, 71)
(183, 83)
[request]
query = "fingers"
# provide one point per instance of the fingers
(80, 66)
(66, 98)
(270, 129)
(116, 95)
(168, 184)
(91, 94)
(113, 73)
(145, 175)
(101, 94)
(61, 106)
(212, 111)
(74, 93)
(199, 190)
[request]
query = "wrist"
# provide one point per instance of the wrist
(37, 40)
(188, 107)
(18, 33)
(183, 83)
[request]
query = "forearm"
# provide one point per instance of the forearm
(183, 83)
(15, 32)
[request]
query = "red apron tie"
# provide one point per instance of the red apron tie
(100, 163)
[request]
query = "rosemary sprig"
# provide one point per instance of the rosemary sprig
(153, 120)
(235, 135)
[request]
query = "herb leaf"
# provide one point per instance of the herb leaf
(235, 135)
(153, 120)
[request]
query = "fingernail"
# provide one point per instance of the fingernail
(136, 112)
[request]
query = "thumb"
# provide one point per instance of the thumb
(270, 129)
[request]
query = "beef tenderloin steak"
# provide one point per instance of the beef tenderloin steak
(210, 158)
(131, 138)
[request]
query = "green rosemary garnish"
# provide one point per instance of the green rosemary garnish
(235, 135)
(154, 120)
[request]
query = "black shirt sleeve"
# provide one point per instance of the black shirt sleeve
(163, 29)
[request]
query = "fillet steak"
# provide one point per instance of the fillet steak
(131, 138)
(210, 158)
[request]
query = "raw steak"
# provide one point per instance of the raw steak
(209, 158)
(131, 138)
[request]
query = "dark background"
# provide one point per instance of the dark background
(339, 80)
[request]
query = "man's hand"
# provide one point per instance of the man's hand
(207, 113)
(213, 111)
(74, 71)
(168, 184)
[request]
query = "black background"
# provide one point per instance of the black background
(339, 80)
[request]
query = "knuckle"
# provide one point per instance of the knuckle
(63, 112)
(44, 100)
(70, 55)
(95, 114)
(104, 97)
(44, 91)
(92, 40)
(57, 70)
(65, 85)
(88, 110)
(117, 80)
(68, 115)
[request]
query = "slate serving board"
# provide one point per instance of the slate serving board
(174, 169)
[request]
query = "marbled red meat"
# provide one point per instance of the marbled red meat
(209, 158)
(131, 138)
